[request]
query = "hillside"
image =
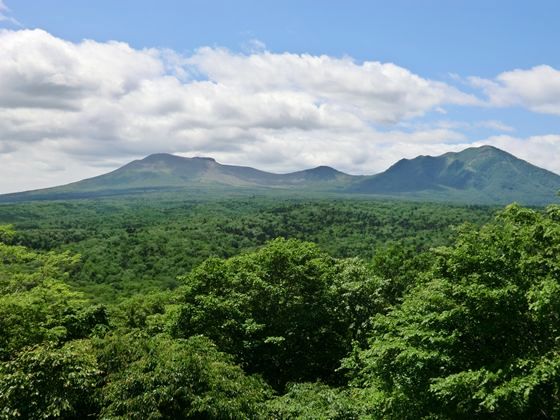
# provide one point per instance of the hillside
(483, 175)
(165, 172)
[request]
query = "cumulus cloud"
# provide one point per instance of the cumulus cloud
(537, 89)
(71, 110)
(381, 92)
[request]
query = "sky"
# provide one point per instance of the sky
(86, 87)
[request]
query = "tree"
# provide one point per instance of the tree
(480, 337)
(47, 381)
(166, 378)
(315, 401)
(284, 311)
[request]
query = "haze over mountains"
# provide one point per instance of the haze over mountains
(483, 175)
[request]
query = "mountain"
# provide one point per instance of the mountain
(166, 172)
(483, 175)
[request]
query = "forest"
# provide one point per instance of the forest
(260, 308)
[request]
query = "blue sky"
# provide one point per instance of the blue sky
(476, 72)
(432, 38)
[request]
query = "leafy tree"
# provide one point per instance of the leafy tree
(35, 303)
(7, 233)
(399, 266)
(153, 312)
(480, 336)
(467, 330)
(44, 371)
(47, 381)
(137, 246)
(174, 378)
(315, 401)
(283, 311)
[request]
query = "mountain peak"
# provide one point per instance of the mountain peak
(475, 174)
(168, 157)
(486, 147)
(160, 157)
(319, 173)
(485, 150)
(323, 170)
(482, 175)
(204, 158)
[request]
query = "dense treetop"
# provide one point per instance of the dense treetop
(134, 246)
(438, 323)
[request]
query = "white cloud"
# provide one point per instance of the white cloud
(73, 110)
(495, 125)
(380, 92)
(254, 46)
(68, 110)
(5, 15)
(537, 89)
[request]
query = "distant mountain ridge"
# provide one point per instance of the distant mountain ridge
(478, 175)
(166, 170)
(482, 174)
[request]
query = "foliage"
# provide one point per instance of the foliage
(47, 381)
(132, 246)
(36, 304)
(170, 379)
(278, 310)
(154, 312)
(45, 370)
(480, 337)
(315, 401)
(423, 321)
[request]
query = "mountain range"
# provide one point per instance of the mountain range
(477, 175)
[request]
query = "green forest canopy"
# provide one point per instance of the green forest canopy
(443, 323)
(136, 246)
